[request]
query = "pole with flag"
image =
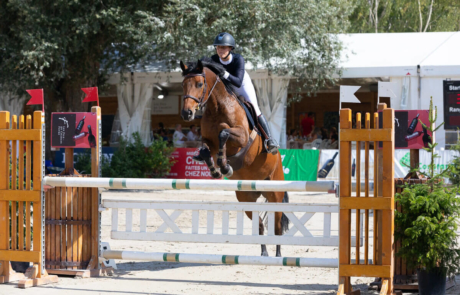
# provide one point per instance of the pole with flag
(36, 97)
(91, 94)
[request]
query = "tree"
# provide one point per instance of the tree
(373, 16)
(62, 45)
(288, 37)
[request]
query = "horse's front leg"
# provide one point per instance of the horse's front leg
(237, 135)
(205, 154)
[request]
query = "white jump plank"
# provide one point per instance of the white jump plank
(327, 225)
(168, 221)
(239, 222)
(255, 223)
(114, 219)
(143, 218)
(225, 218)
(129, 220)
(210, 222)
(299, 225)
(195, 221)
(164, 226)
(271, 223)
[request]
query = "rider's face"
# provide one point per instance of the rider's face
(223, 51)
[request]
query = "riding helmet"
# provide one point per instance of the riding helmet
(224, 39)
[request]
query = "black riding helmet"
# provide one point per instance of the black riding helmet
(224, 39)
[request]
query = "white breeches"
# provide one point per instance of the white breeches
(248, 92)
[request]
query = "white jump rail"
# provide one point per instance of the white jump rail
(192, 184)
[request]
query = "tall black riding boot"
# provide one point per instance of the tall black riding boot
(272, 145)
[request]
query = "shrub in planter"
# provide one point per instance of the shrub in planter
(132, 160)
(427, 226)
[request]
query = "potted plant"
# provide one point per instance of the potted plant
(427, 224)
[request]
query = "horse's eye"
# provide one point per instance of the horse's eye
(199, 85)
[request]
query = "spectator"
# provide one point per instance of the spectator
(179, 137)
(316, 138)
(334, 142)
(307, 124)
(293, 135)
(324, 133)
(192, 135)
(332, 131)
(162, 134)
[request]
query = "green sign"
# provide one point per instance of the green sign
(300, 164)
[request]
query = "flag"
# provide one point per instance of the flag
(37, 97)
(347, 94)
(91, 94)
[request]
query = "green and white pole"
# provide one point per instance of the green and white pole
(192, 184)
(221, 259)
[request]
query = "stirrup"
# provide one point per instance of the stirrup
(273, 149)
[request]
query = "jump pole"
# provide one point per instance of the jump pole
(192, 184)
(221, 259)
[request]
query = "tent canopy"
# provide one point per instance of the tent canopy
(399, 54)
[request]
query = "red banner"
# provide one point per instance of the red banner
(73, 130)
(186, 167)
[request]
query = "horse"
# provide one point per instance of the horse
(225, 131)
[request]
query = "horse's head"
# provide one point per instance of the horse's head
(194, 85)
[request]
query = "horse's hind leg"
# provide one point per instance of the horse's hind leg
(205, 154)
(281, 220)
(252, 197)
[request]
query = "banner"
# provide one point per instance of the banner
(186, 167)
(300, 164)
(73, 130)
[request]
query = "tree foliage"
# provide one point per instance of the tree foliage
(373, 16)
(287, 37)
(62, 46)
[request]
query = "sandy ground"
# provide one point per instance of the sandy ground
(176, 278)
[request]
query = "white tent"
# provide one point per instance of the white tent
(417, 63)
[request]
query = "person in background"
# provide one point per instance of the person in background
(162, 134)
(198, 132)
(316, 138)
(333, 131)
(324, 133)
(179, 138)
(307, 124)
(334, 142)
(293, 135)
(192, 134)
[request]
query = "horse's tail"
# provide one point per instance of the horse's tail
(284, 218)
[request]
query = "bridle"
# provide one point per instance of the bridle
(201, 101)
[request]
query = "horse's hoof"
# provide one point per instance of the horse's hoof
(216, 175)
(265, 253)
(228, 171)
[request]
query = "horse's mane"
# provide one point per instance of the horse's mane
(216, 68)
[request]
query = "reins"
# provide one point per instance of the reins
(201, 101)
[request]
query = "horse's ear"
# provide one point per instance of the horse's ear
(183, 66)
(199, 66)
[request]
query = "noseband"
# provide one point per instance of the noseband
(201, 101)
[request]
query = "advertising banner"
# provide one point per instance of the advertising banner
(185, 167)
(451, 104)
(73, 130)
(409, 133)
(300, 164)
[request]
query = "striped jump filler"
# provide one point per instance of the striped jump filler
(117, 183)
(181, 184)
(246, 185)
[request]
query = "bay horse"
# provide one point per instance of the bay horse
(225, 131)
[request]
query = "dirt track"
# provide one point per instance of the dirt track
(171, 278)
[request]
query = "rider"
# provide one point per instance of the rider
(236, 74)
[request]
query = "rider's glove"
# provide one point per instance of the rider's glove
(226, 74)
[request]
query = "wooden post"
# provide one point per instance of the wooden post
(345, 192)
(95, 200)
